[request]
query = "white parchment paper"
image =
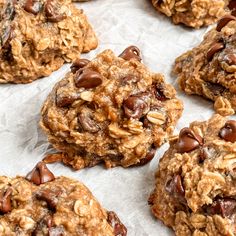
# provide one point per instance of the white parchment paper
(118, 24)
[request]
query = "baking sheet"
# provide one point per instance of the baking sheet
(118, 24)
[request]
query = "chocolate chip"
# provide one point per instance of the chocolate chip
(65, 101)
(5, 201)
(158, 90)
(230, 59)
(175, 188)
(87, 122)
(52, 11)
(232, 5)
(223, 206)
(228, 132)
(115, 223)
(40, 174)
(147, 158)
(49, 196)
(131, 52)
(135, 107)
(48, 227)
(216, 47)
(188, 141)
(78, 64)
(87, 78)
(33, 6)
(129, 79)
(224, 21)
(6, 36)
(215, 89)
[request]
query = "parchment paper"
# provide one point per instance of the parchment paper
(118, 24)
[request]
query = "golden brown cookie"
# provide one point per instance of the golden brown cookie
(209, 69)
(194, 13)
(112, 110)
(43, 205)
(37, 37)
(196, 181)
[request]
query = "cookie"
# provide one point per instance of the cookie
(194, 13)
(37, 37)
(112, 110)
(196, 180)
(41, 204)
(209, 69)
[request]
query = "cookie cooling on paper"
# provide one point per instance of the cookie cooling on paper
(194, 13)
(43, 205)
(195, 190)
(112, 110)
(209, 69)
(37, 37)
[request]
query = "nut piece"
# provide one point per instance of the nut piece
(87, 96)
(156, 117)
(131, 52)
(40, 174)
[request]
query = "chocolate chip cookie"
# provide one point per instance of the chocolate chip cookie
(37, 37)
(196, 180)
(194, 13)
(42, 205)
(209, 69)
(112, 110)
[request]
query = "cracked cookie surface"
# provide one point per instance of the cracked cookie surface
(195, 182)
(209, 69)
(194, 13)
(111, 109)
(38, 37)
(42, 205)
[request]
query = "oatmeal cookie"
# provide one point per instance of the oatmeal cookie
(209, 69)
(111, 109)
(42, 205)
(194, 13)
(196, 180)
(37, 37)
